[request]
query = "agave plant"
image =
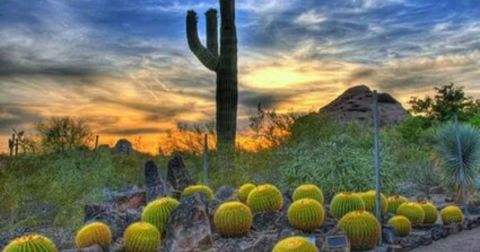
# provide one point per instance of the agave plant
(447, 148)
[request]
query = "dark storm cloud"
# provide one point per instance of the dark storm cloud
(13, 115)
(268, 99)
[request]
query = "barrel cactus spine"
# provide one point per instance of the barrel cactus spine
(265, 198)
(158, 211)
(451, 214)
(31, 243)
(141, 237)
(308, 191)
(431, 213)
(295, 244)
(413, 211)
(369, 200)
(233, 219)
(361, 228)
(401, 224)
(346, 202)
(244, 190)
(306, 214)
(93, 233)
(190, 190)
(394, 202)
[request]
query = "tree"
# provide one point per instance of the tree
(60, 134)
(225, 67)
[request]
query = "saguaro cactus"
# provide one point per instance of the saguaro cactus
(224, 64)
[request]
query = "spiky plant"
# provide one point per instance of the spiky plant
(346, 202)
(93, 233)
(308, 191)
(361, 228)
(431, 213)
(295, 244)
(413, 211)
(31, 243)
(451, 214)
(244, 190)
(265, 198)
(158, 211)
(401, 224)
(447, 149)
(233, 219)
(369, 200)
(394, 202)
(141, 237)
(190, 190)
(306, 214)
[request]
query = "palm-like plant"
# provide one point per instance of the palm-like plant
(447, 148)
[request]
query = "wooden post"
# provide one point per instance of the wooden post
(378, 182)
(96, 142)
(462, 167)
(205, 160)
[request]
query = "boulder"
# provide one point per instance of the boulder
(177, 174)
(225, 193)
(123, 147)
(156, 185)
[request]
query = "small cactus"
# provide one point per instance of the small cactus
(394, 202)
(265, 198)
(451, 214)
(308, 191)
(295, 244)
(344, 203)
(141, 237)
(190, 190)
(306, 214)
(158, 211)
(244, 190)
(233, 219)
(431, 213)
(31, 243)
(369, 200)
(93, 233)
(361, 228)
(401, 224)
(413, 211)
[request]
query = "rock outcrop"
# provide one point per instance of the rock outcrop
(177, 174)
(355, 104)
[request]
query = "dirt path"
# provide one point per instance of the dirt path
(466, 241)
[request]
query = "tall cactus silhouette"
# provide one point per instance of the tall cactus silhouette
(224, 64)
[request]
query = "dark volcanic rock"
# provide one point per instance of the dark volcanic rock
(155, 182)
(355, 104)
(123, 147)
(225, 193)
(177, 174)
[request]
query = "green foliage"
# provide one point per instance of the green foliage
(413, 211)
(141, 237)
(451, 214)
(394, 202)
(93, 233)
(401, 224)
(61, 134)
(361, 228)
(244, 190)
(308, 191)
(369, 200)
(265, 198)
(31, 243)
(158, 211)
(190, 190)
(306, 214)
(295, 244)
(431, 213)
(344, 203)
(424, 174)
(233, 219)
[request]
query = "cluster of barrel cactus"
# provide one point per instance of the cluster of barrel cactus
(244, 190)
(369, 200)
(190, 190)
(233, 219)
(451, 214)
(394, 202)
(413, 211)
(431, 213)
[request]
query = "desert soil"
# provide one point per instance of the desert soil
(466, 241)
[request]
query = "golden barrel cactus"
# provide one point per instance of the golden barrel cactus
(401, 224)
(413, 211)
(369, 200)
(233, 219)
(451, 214)
(431, 213)
(306, 214)
(244, 190)
(394, 202)
(265, 198)
(93, 233)
(141, 237)
(343, 203)
(362, 229)
(158, 211)
(308, 191)
(190, 190)
(31, 243)
(295, 244)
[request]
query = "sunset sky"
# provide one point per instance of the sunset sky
(125, 68)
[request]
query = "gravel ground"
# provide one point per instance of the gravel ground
(466, 241)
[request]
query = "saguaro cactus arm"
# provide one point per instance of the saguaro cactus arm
(205, 56)
(212, 31)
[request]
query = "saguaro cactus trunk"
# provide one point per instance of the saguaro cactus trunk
(224, 64)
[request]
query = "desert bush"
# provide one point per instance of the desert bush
(60, 134)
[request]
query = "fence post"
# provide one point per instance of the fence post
(205, 160)
(96, 142)
(462, 167)
(378, 181)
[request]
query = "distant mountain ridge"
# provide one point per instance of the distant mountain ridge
(355, 104)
